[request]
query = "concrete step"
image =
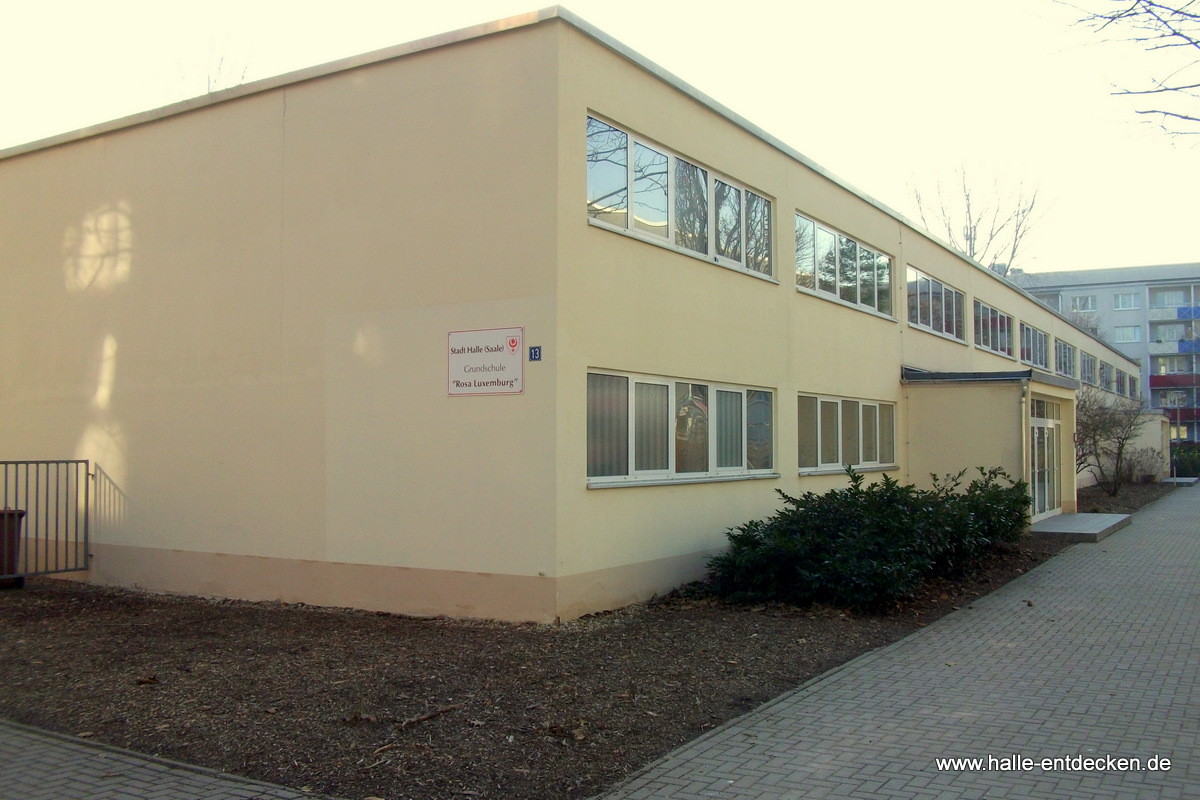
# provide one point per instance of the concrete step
(1080, 527)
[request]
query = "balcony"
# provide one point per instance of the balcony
(1170, 347)
(1174, 380)
(1165, 313)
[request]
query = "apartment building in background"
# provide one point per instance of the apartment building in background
(1151, 314)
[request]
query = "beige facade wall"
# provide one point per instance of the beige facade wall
(241, 313)
(967, 421)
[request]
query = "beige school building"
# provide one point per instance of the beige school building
(504, 323)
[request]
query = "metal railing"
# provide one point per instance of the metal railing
(49, 511)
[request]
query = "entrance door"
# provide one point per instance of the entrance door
(1045, 431)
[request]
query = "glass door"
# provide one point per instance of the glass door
(1044, 440)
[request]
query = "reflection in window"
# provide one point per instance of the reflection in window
(866, 277)
(937, 319)
(826, 261)
(848, 272)
(759, 437)
(935, 306)
(691, 427)
(1064, 358)
(691, 207)
(674, 429)
(924, 309)
(883, 283)
(1035, 346)
(729, 221)
(837, 265)
(992, 329)
(676, 202)
(607, 173)
(649, 190)
(806, 253)
(913, 295)
(758, 233)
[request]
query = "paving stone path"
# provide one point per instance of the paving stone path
(39, 765)
(1094, 655)
(1091, 658)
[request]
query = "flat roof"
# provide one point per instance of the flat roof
(1158, 273)
(917, 375)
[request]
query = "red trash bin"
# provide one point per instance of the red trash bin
(10, 546)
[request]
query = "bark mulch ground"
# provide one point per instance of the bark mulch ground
(366, 705)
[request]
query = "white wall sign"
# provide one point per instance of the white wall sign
(486, 362)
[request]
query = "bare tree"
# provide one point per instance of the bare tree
(1086, 320)
(990, 230)
(222, 76)
(1170, 29)
(1104, 429)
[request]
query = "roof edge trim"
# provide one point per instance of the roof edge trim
(918, 375)
(295, 77)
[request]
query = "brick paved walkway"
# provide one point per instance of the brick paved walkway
(37, 765)
(1094, 654)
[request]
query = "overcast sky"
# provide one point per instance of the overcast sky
(887, 95)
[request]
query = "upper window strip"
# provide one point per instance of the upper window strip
(663, 197)
(841, 267)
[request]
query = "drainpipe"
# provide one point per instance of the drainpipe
(1026, 473)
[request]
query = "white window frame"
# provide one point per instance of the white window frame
(1169, 364)
(1105, 376)
(1134, 301)
(1064, 358)
(958, 300)
(1172, 297)
(1088, 369)
(1120, 334)
(1082, 303)
(1178, 330)
(1038, 346)
(1053, 301)
(841, 403)
(982, 314)
(835, 294)
(745, 192)
(634, 476)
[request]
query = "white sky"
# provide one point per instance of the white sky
(885, 94)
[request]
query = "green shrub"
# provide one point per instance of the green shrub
(1187, 460)
(862, 547)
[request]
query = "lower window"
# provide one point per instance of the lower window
(836, 431)
(648, 428)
